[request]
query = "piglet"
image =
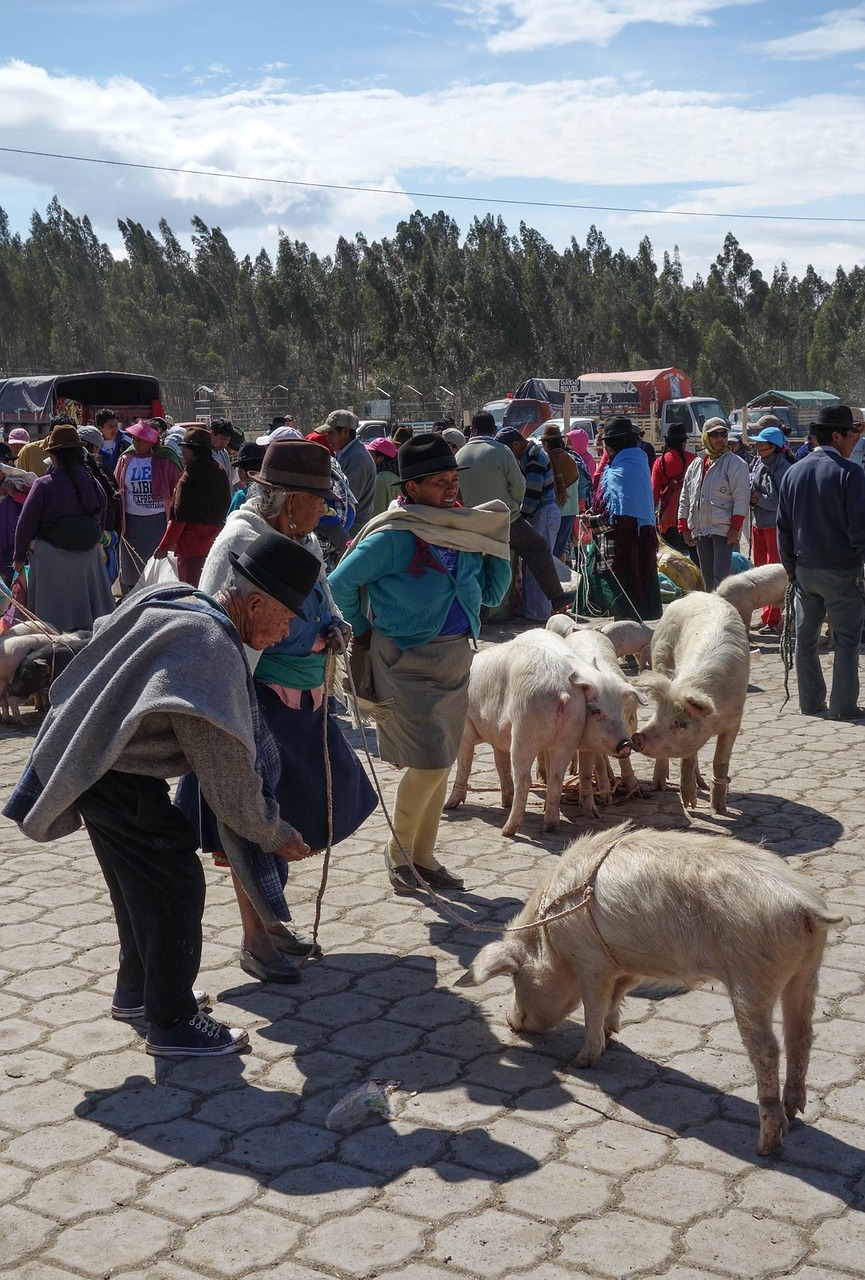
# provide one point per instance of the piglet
(673, 907)
(526, 697)
(755, 589)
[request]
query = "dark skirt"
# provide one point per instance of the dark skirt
(301, 790)
(629, 586)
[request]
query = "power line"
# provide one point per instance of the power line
(430, 195)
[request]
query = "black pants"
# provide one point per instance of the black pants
(148, 854)
(535, 553)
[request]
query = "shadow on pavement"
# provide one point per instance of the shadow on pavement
(207, 1113)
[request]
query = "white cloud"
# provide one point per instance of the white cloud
(839, 31)
(516, 26)
(714, 155)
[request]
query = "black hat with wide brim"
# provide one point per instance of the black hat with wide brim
(280, 567)
(425, 455)
(619, 428)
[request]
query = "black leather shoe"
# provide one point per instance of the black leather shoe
(441, 878)
(402, 880)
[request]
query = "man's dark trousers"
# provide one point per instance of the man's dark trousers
(148, 854)
(534, 551)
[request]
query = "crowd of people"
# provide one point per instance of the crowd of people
(288, 548)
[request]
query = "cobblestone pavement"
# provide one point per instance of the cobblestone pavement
(505, 1160)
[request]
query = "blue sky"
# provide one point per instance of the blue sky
(702, 106)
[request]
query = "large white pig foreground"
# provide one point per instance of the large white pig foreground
(680, 908)
(526, 697)
(755, 589)
(701, 663)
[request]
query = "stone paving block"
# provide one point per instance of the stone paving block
(115, 1061)
(17, 1033)
(36, 956)
(363, 1243)
(616, 1148)
(558, 1193)
(432, 1194)
(12, 1181)
(21, 1232)
(193, 1193)
(453, 1108)
(100, 1245)
(38, 1104)
(94, 1188)
(157, 1147)
(391, 1149)
(241, 1109)
(316, 1192)
(847, 1103)
(419, 1070)
(253, 1234)
(739, 1244)
(658, 1038)
(374, 1040)
(42, 1271)
(414, 1271)
(675, 1194)
(720, 1145)
(618, 1244)
(668, 1106)
(47, 982)
(803, 1197)
(273, 1149)
(496, 1243)
(75, 1140)
(504, 1149)
(140, 1104)
(718, 1069)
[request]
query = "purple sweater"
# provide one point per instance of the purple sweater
(54, 495)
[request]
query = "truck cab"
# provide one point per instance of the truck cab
(524, 415)
(692, 412)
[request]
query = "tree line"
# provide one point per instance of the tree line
(426, 307)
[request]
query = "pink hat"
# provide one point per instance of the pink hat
(382, 445)
(143, 431)
(19, 435)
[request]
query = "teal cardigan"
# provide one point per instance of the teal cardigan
(410, 609)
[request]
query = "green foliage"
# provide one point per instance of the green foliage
(425, 307)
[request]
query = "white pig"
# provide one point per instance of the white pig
(525, 697)
(701, 661)
(561, 624)
(754, 589)
(675, 907)
(629, 637)
(611, 718)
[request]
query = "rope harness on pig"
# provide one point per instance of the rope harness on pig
(587, 890)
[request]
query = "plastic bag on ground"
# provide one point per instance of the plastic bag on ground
(369, 1100)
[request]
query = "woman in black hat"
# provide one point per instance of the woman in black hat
(412, 586)
(624, 520)
(198, 508)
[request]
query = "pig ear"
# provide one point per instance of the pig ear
(699, 706)
(655, 684)
(499, 957)
(579, 681)
(640, 696)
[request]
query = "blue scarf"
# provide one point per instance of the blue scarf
(626, 487)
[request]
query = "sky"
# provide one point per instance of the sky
(650, 110)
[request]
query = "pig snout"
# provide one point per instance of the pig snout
(623, 748)
(637, 741)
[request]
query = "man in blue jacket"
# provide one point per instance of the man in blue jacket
(821, 541)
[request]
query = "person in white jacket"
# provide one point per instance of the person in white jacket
(714, 503)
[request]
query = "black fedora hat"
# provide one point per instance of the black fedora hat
(424, 455)
(280, 567)
(837, 416)
(619, 428)
(250, 456)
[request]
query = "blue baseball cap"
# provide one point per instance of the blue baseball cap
(771, 435)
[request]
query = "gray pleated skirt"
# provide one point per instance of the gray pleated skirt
(428, 689)
(68, 589)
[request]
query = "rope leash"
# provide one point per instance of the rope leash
(788, 638)
(586, 889)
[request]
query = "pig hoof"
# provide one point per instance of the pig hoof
(586, 1059)
(719, 795)
(794, 1101)
(509, 829)
(455, 800)
(551, 824)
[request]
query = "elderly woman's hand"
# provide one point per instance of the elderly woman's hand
(337, 636)
(294, 848)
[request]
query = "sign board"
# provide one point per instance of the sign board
(379, 408)
(569, 384)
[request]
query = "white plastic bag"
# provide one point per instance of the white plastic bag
(369, 1101)
(159, 573)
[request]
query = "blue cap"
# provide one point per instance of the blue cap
(771, 435)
